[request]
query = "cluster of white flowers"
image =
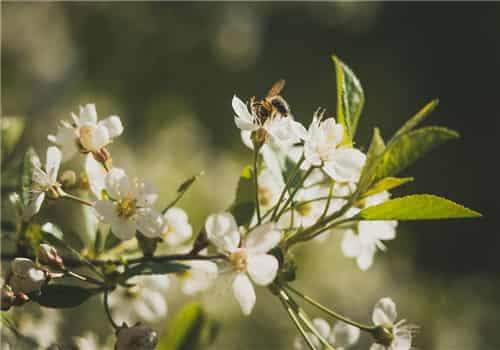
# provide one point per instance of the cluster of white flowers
(326, 164)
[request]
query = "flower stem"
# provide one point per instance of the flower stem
(108, 312)
(305, 319)
(283, 298)
(289, 181)
(256, 182)
(330, 312)
(292, 195)
(75, 198)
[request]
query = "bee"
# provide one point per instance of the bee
(271, 106)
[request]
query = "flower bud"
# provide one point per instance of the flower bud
(26, 276)
(49, 256)
(137, 337)
(68, 178)
(8, 297)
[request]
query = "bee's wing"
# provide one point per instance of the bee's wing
(276, 88)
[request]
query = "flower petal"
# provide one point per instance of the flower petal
(351, 245)
(113, 124)
(34, 206)
(151, 306)
(115, 181)
(53, 162)
(96, 175)
(243, 118)
(262, 268)
(244, 293)
(345, 165)
(384, 312)
(66, 138)
(376, 346)
(124, 229)
(402, 339)
(99, 138)
(385, 230)
(149, 222)
(344, 335)
(263, 238)
(322, 327)
(222, 231)
(146, 195)
(88, 114)
(365, 258)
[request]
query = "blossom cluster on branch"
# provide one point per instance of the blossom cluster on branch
(305, 183)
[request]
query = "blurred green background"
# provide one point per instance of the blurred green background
(169, 70)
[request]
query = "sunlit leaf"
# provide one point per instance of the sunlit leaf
(417, 207)
(414, 121)
(387, 184)
(409, 147)
(376, 149)
(350, 97)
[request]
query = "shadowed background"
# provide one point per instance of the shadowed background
(170, 70)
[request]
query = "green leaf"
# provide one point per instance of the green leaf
(244, 204)
(350, 97)
(189, 329)
(30, 161)
(153, 268)
(61, 296)
(407, 148)
(12, 128)
(387, 184)
(414, 121)
(417, 207)
(376, 149)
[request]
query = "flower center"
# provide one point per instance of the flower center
(304, 209)
(239, 260)
(86, 137)
(264, 196)
(126, 207)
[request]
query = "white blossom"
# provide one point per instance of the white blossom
(307, 208)
(26, 276)
(361, 240)
(129, 207)
(282, 130)
(43, 180)
(177, 229)
(199, 277)
(85, 133)
(341, 336)
(248, 258)
(323, 147)
(385, 315)
(145, 301)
